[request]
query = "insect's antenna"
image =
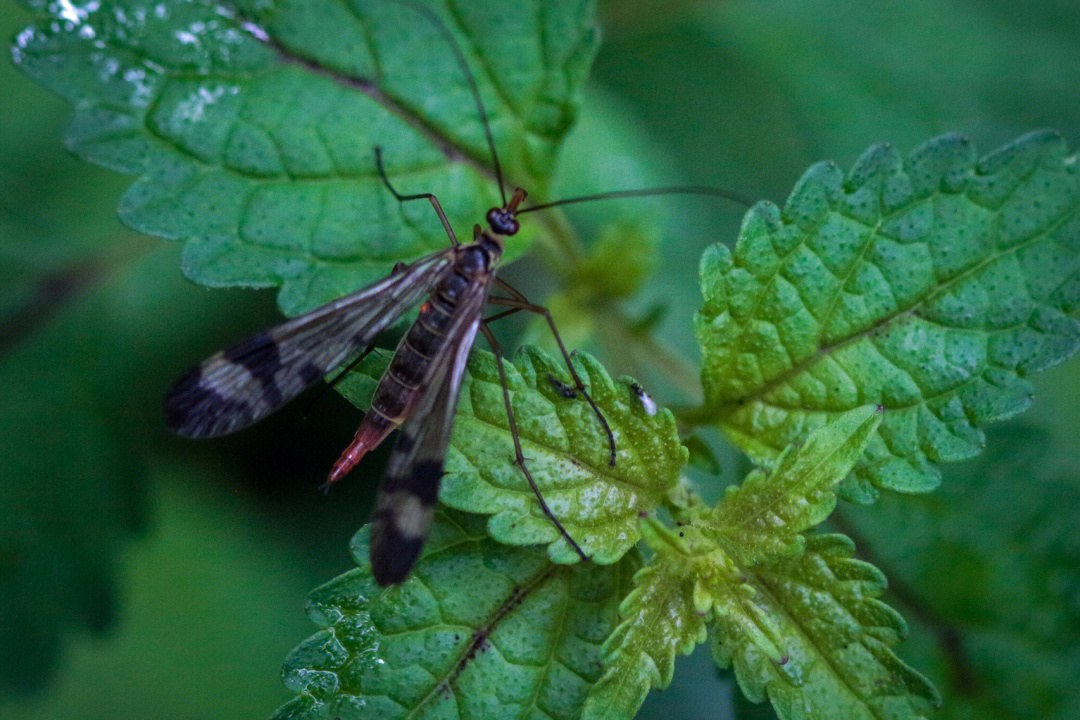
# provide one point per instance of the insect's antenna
(672, 190)
(460, 57)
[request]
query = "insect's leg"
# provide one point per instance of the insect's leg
(503, 285)
(500, 316)
(565, 390)
(420, 196)
(352, 366)
(519, 455)
(578, 384)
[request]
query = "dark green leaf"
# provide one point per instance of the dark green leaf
(251, 127)
(81, 415)
(989, 568)
(480, 630)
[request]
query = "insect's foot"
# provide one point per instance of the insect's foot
(565, 390)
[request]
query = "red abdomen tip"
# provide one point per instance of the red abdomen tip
(368, 437)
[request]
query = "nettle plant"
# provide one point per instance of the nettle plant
(850, 342)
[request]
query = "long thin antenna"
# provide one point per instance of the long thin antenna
(672, 190)
(460, 57)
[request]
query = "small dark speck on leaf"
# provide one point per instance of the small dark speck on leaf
(642, 514)
(784, 660)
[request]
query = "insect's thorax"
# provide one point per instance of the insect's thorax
(480, 257)
(403, 381)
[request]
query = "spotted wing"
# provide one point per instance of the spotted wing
(238, 386)
(406, 499)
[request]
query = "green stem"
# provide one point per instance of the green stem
(563, 246)
(618, 334)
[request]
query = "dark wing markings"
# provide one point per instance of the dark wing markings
(406, 499)
(234, 388)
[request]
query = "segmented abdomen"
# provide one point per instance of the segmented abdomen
(401, 385)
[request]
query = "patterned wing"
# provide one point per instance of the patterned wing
(248, 381)
(406, 500)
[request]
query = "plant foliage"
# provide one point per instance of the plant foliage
(932, 285)
(851, 340)
(480, 629)
(566, 448)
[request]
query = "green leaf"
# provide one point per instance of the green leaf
(810, 634)
(990, 569)
(762, 519)
(932, 286)
(251, 127)
(659, 620)
(566, 450)
(480, 630)
(702, 566)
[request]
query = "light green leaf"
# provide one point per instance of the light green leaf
(795, 616)
(566, 450)
(659, 620)
(931, 286)
(810, 634)
(251, 126)
(762, 519)
(480, 630)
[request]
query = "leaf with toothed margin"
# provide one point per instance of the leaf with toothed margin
(250, 125)
(809, 634)
(762, 519)
(703, 570)
(659, 621)
(480, 630)
(565, 448)
(996, 610)
(931, 285)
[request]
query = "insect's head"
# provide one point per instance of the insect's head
(503, 221)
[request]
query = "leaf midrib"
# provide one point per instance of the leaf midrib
(724, 410)
(768, 588)
(487, 627)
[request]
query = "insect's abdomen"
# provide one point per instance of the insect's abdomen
(401, 385)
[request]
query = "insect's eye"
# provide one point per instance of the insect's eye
(502, 222)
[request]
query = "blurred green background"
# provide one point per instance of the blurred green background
(166, 579)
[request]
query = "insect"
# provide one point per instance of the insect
(419, 390)
(646, 400)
